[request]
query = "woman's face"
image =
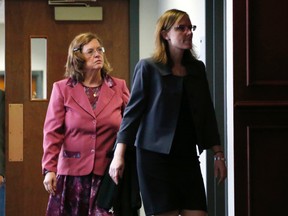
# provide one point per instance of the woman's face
(179, 37)
(94, 55)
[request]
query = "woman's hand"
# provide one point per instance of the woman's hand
(220, 169)
(50, 182)
(2, 180)
(116, 168)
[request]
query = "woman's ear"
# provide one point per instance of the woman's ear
(165, 35)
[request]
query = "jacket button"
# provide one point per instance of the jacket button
(92, 151)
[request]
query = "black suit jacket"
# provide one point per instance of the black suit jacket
(150, 117)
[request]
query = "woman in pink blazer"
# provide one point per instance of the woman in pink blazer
(82, 120)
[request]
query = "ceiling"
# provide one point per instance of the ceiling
(2, 3)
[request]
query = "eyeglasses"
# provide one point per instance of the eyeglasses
(91, 52)
(184, 28)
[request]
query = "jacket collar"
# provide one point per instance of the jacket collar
(79, 96)
(165, 70)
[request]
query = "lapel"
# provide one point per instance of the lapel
(106, 95)
(80, 97)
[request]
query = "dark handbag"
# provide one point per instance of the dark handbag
(107, 193)
(124, 198)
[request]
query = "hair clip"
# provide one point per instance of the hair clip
(76, 49)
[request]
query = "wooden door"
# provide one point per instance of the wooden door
(261, 107)
(25, 193)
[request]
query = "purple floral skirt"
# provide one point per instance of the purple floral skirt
(76, 196)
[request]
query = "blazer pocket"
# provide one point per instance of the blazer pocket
(71, 154)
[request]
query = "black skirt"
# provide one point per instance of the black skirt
(174, 181)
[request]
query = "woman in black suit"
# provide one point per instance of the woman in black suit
(170, 113)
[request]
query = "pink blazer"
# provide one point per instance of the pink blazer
(77, 139)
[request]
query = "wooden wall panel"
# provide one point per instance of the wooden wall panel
(260, 50)
(261, 173)
(266, 167)
(260, 106)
